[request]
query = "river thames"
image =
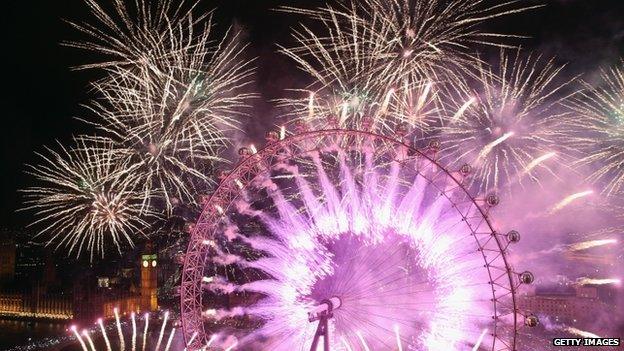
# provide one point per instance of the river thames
(20, 333)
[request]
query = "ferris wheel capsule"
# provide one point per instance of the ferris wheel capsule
(513, 236)
(434, 145)
(492, 200)
(465, 169)
(526, 277)
(531, 321)
(244, 151)
(271, 136)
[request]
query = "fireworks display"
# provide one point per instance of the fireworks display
(168, 122)
(510, 128)
(599, 133)
(168, 98)
(169, 95)
(381, 213)
(87, 200)
(133, 334)
(368, 49)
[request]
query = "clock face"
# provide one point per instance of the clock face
(149, 260)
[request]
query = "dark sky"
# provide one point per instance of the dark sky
(41, 94)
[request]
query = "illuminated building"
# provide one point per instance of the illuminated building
(104, 293)
(564, 303)
(93, 296)
(28, 272)
(36, 306)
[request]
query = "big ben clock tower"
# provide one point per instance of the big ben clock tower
(149, 279)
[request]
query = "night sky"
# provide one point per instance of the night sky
(41, 95)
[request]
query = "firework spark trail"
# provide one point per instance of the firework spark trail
(592, 243)
(170, 340)
(133, 32)
(169, 95)
(460, 113)
(593, 281)
(570, 199)
(346, 343)
(538, 161)
(82, 343)
(89, 340)
(596, 129)
(211, 340)
(231, 347)
(479, 340)
(581, 246)
(366, 48)
(134, 330)
(361, 337)
(398, 337)
(104, 335)
(122, 341)
(386, 102)
(515, 119)
(489, 147)
(147, 315)
(350, 186)
(191, 339)
(173, 120)
(581, 333)
(162, 331)
(146, 345)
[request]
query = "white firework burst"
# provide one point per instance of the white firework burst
(170, 95)
(596, 129)
(508, 123)
(86, 201)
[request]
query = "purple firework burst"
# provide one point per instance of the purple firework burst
(404, 255)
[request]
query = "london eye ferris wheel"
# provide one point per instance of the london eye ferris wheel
(346, 239)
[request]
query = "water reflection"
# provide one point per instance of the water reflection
(19, 332)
